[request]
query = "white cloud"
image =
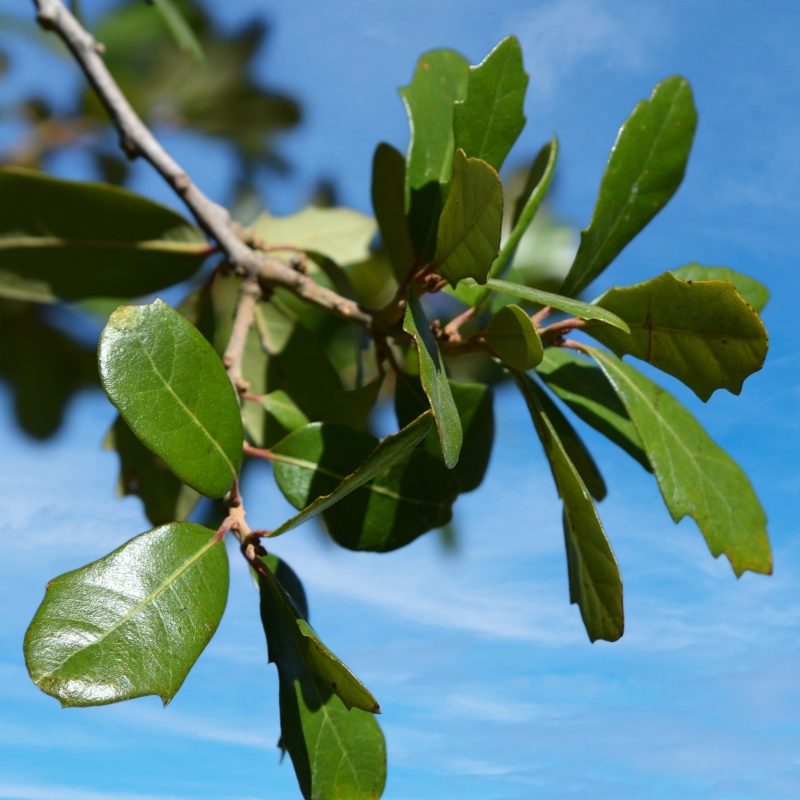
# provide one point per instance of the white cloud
(28, 792)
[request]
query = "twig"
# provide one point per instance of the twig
(249, 295)
(540, 316)
(137, 140)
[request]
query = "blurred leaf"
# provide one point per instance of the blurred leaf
(68, 240)
(753, 292)
(337, 754)
(514, 339)
(413, 496)
(172, 390)
(388, 201)
(180, 29)
(539, 177)
(341, 234)
(42, 367)
(434, 380)
(165, 498)
(702, 333)
(474, 403)
(586, 390)
(489, 119)
(644, 170)
(696, 477)
(468, 238)
(94, 637)
(387, 453)
(280, 406)
(594, 580)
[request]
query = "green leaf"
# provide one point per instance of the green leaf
(644, 170)
(536, 186)
(340, 234)
(586, 390)
(753, 292)
(702, 333)
(573, 445)
(489, 119)
(514, 338)
(389, 203)
(165, 497)
(132, 623)
(575, 307)
(474, 403)
(337, 754)
(468, 238)
(280, 406)
(378, 509)
(172, 390)
(594, 580)
(434, 380)
(440, 79)
(317, 658)
(180, 29)
(63, 240)
(696, 477)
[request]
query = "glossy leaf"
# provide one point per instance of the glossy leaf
(172, 390)
(341, 234)
(753, 292)
(594, 580)
(180, 29)
(95, 636)
(489, 119)
(575, 307)
(644, 170)
(337, 754)
(696, 477)
(474, 403)
(703, 332)
(164, 496)
(434, 380)
(468, 238)
(389, 203)
(514, 338)
(573, 445)
(391, 450)
(398, 504)
(64, 240)
(586, 390)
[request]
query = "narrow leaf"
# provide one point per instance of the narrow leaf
(703, 332)
(586, 390)
(389, 203)
(468, 238)
(594, 580)
(337, 754)
(514, 338)
(753, 292)
(575, 307)
(412, 496)
(536, 186)
(388, 452)
(95, 635)
(180, 29)
(489, 119)
(64, 240)
(644, 170)
(696, 477)
(172, 390)
(434, 380)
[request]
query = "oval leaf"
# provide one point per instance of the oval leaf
(93, 638)
(644, 170)
(702, 333)
(696, 477)
(489, 119)
(514, 338)
(468, 239)
(64, 240)
(171, 388)
(753, 292)
(434, 380)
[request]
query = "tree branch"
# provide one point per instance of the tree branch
(137, 140)
(249, 295)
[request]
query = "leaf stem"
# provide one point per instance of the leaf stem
(249, 295)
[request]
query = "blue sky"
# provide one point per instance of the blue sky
(490, 689)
